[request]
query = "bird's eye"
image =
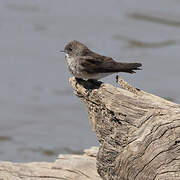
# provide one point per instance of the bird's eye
(70, 49)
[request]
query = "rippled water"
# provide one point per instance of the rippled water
(39, 115)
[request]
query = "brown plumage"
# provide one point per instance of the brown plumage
(86, 64)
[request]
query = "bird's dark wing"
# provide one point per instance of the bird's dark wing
(96, 65)
(103, 64)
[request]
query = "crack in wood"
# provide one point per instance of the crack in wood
(133, 125)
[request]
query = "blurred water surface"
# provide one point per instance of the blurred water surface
(39, 115)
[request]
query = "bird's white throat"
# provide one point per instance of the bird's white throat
(67, 55)
(70, 62)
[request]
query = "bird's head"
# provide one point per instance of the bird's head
(75, 48)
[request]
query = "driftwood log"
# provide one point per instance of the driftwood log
(139, 133)
(66, 167)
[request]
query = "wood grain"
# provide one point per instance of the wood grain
(139, 133)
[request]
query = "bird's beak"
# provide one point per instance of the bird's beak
(62, 51)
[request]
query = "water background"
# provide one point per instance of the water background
(40, 116)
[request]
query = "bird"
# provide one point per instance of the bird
(88, 65)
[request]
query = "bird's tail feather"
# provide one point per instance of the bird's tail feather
(128, 67)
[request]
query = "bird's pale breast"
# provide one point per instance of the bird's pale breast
(72, 65)
(74, 68)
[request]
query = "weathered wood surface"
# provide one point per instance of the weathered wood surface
(139, 133)
(66, 167)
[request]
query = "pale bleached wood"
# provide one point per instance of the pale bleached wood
(66, 167)
(139, 133)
